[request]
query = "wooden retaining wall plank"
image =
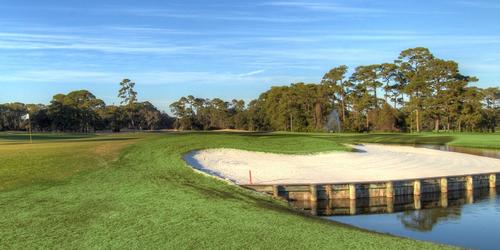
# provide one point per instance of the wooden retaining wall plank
(430, 186)
(317, 192)
(481, 181)
(296, 188)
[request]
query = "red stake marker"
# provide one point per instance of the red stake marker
(250, 176)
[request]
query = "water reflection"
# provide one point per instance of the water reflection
(424, 220)
(465, 219)
(418, 213)
(473, 151)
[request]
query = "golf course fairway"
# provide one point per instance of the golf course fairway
(135, 191)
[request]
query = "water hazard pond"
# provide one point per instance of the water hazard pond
(471, 225)
(464, 219)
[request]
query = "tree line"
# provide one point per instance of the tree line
(416, 92)
(81, 111)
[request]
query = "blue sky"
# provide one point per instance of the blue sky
(229, 49)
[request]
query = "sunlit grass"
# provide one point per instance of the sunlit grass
(475, 140)
(54, 157)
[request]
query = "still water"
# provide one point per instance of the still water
(473, 151)
(461, 218)
(469, 219)
(465, 223)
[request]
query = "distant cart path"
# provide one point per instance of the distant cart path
(372, 163)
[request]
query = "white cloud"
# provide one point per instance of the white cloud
(66, 42)
(143, 78)
(479, 4)
(151, 30)
(350, 9)
(221, 16)
(252, 73)
(60, 76)
(326, 6)
(396, 37)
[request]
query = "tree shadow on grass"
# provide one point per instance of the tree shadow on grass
(238, 195)
(264, 202)
(16, 138)
(391, 139)
(44, 137)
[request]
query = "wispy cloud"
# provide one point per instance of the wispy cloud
(252, 73)
(479, 4)
(150, 30)
(271, 19)
(149, 12)
(326, 6)
(23, 41)
(396, 37)
(317, 47)
(367, 10)
(60, 76)
(219, 16)
(144, 78)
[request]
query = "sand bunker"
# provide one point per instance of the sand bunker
(372, 163)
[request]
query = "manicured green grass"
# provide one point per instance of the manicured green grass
(145, 196)
(53, 157)
(477, 140)
(391, 138)
(474, 140)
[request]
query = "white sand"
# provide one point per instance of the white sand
(376, 163)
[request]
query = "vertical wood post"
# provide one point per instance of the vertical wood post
(314, 192)
(417, 202)
(493, 194)
(469, 196)
(352, 191)
(329, 208)
(352, 206)
(390, 204)
(276, 191)
(444, 185)
(329, 191)
(389, 189)
(469, 183)
(314, 208)
(444, 200)
(493, 180)
(417, 186)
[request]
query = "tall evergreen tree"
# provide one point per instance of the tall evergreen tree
(129, 98)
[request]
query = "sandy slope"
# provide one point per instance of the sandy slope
(374, 163)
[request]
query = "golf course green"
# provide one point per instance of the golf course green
(135, 191)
